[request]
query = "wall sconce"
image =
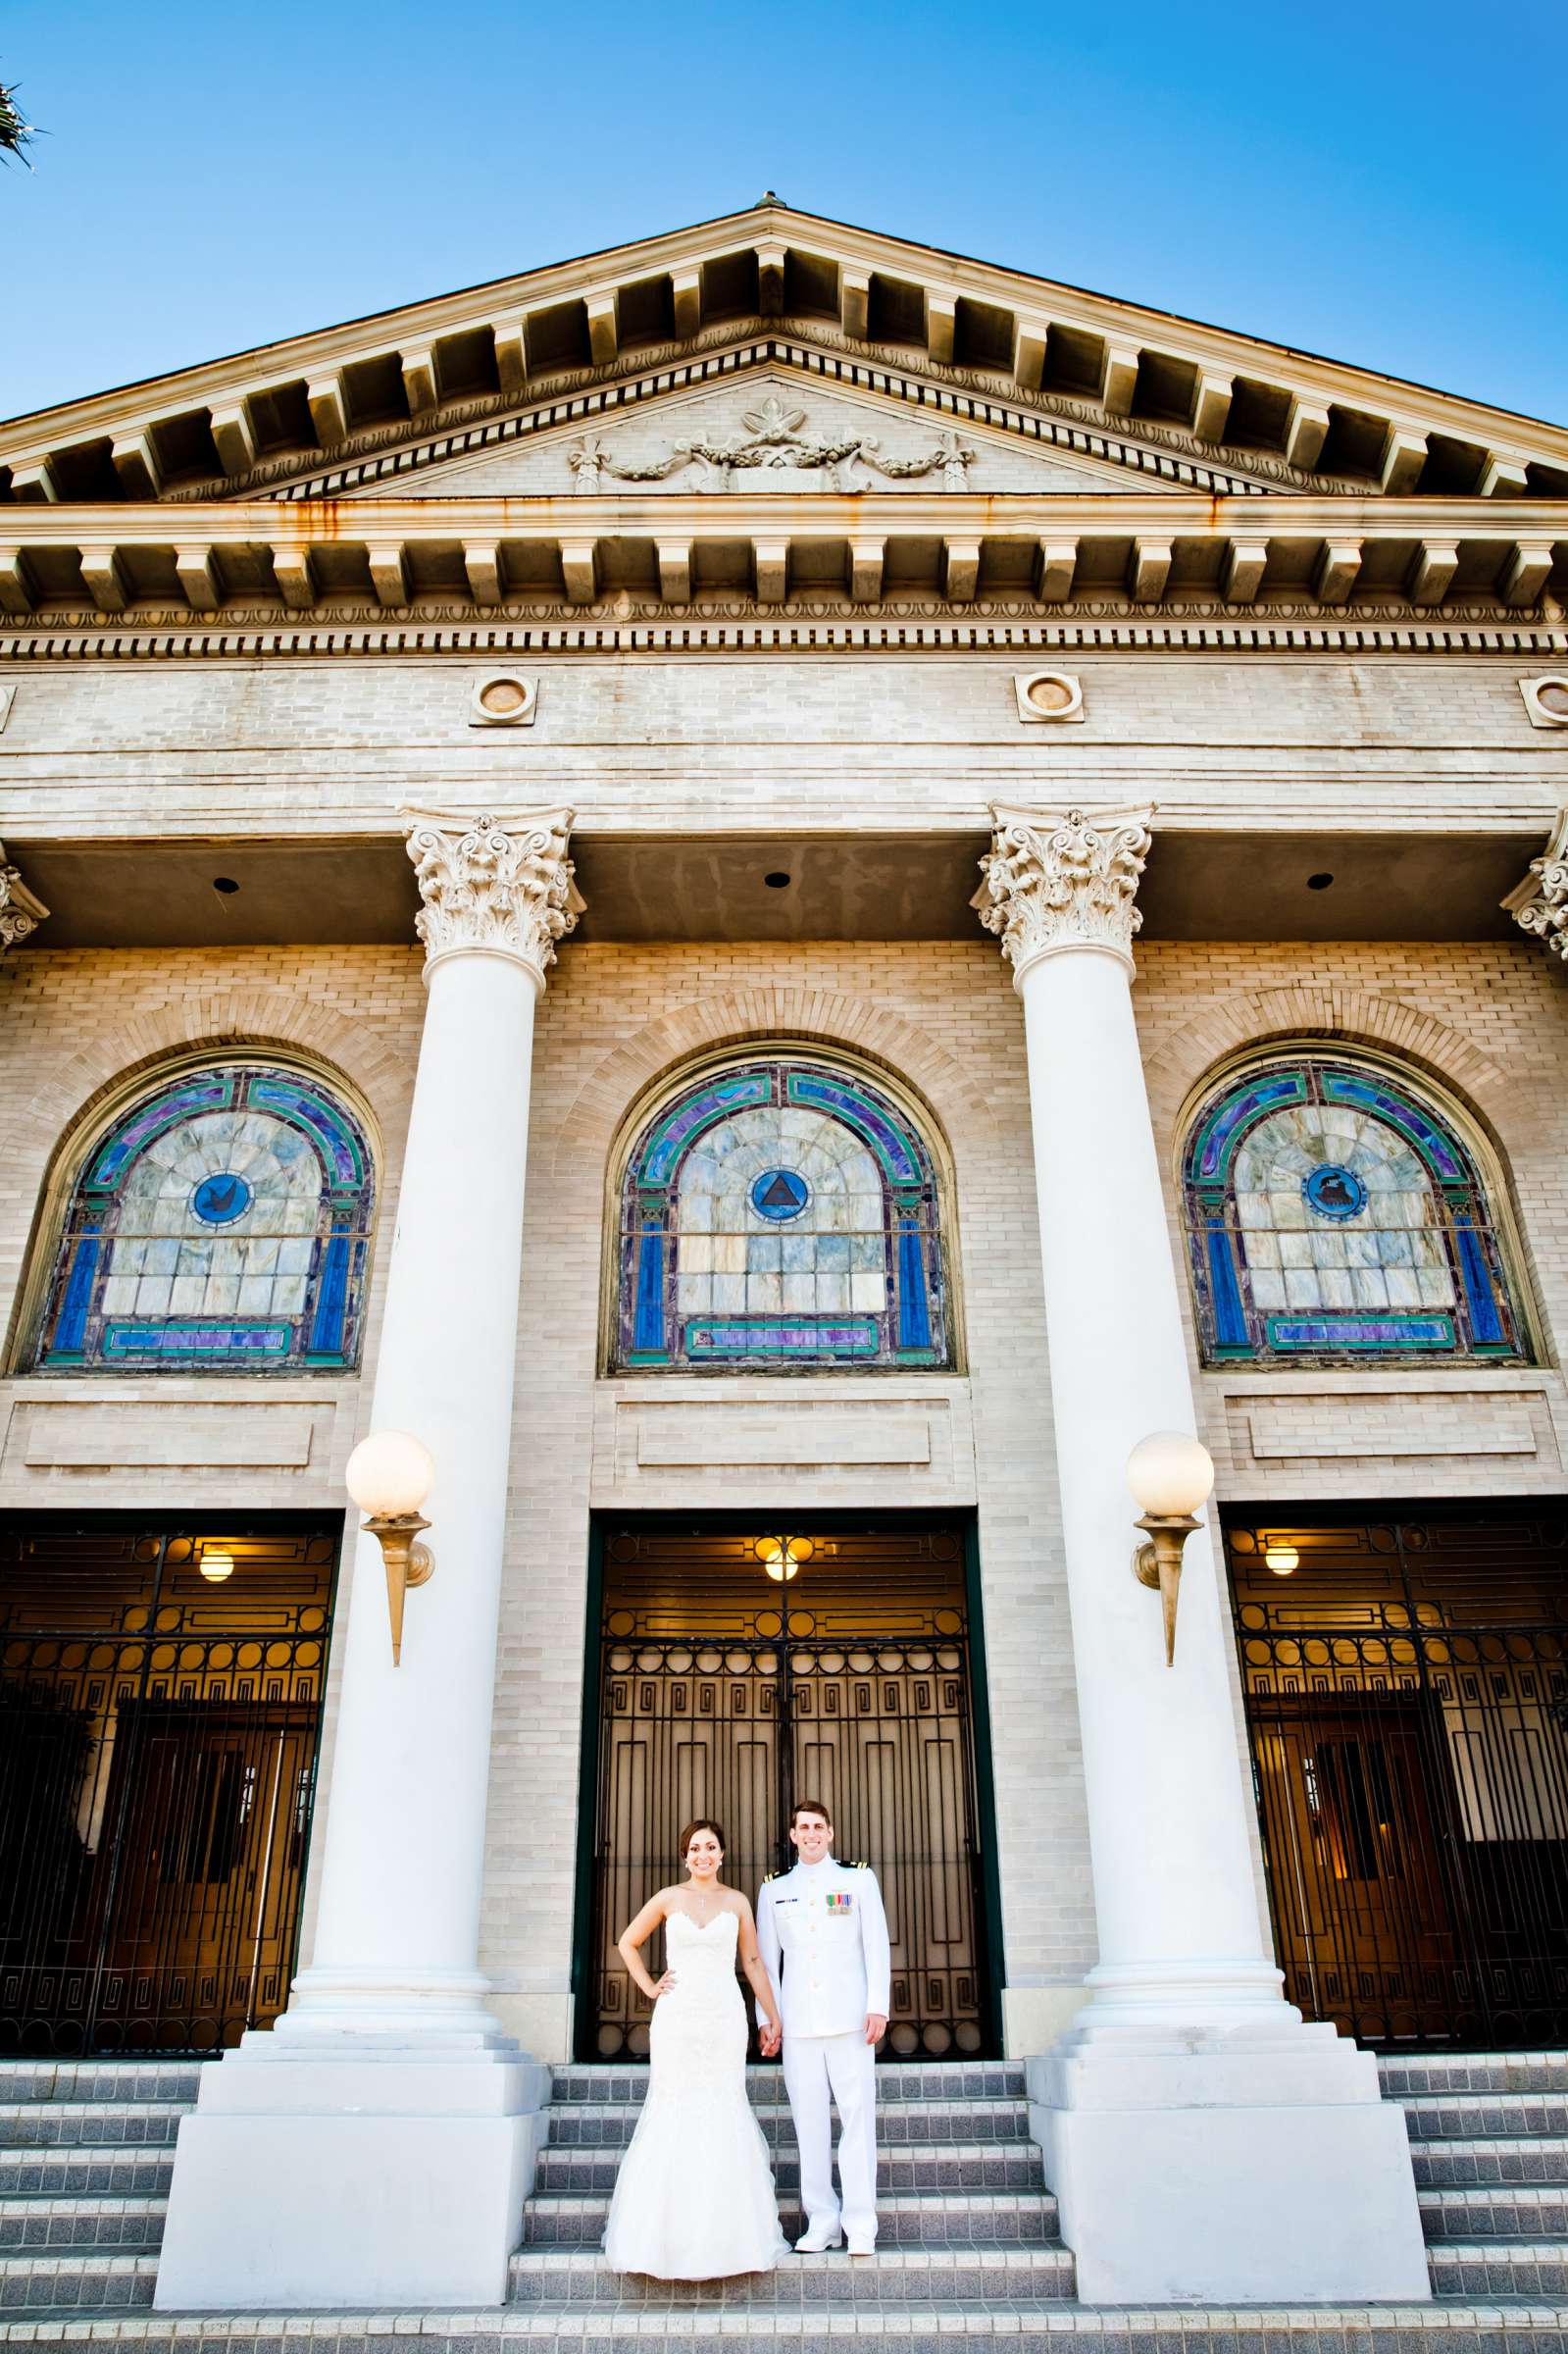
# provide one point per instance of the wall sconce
(215, 1563)
(1283, 1560)
(1170, 1475)
(782, 1556)
(388, 1475)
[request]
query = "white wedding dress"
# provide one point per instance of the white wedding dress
(694, 2199)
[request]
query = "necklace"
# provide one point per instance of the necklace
(706, 1905)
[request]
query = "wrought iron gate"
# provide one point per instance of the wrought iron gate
(160, 1714)
(719, 1695)
(1407, 1687)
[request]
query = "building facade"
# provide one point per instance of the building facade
(780, 891)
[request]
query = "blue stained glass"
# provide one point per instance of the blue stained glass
(1484, 1322)
(1331, 1211)
(72, 1323)
(166, 1107)
(761, 1222)
(1334, 1191)
(647, 1332)
(779, 1194)
(331, 1299)
(914, 1321)
(1230, 1316)
(243, 1182)
(219, 1201)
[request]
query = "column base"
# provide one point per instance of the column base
(336, 2175)
(1256, 2164)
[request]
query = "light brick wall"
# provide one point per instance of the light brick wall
(1488, 1020)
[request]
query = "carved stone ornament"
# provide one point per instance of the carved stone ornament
(500, 883)
(774, 440)
(1540, 904)
(22, 911)
(1057, 879)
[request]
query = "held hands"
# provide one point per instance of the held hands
(876, 2025)
(769, 2041)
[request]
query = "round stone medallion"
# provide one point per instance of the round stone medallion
(220, 1199)
(779, 1194)
(1334, 1191)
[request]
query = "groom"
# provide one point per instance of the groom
(824, 1939)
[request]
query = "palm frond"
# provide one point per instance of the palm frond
(15, 131)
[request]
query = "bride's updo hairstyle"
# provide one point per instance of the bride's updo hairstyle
(704, 1822)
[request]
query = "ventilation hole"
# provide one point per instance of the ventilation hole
(777, 881)
(226, 884)
(1319, 882)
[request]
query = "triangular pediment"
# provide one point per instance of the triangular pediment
(326, 414)
(763, 428)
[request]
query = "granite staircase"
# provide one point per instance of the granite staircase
(969, 2250)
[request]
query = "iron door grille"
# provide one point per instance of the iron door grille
(1407, 1694)
(158, 1731)
(858, 1695)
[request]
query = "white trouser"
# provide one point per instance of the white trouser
(844, 2067)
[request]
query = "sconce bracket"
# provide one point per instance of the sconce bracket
(1159, 1563)
(407, 1565)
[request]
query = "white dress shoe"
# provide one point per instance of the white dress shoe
(817, 2243)
(863, 2247)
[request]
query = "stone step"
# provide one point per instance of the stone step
(920, 2166)
(99, 2081)
(1530, 2211)
(904, 2218)
(610, 2125)
(54, 2224)
(97, 2125)
(1499, 2268)
(1486, 2115)
(832, 2285)
(75, 2171)
(1465, 2327)
(897, 2081)
(84, 2277)
(1515, 2157)
(1474, 2071)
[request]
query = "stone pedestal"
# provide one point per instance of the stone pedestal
(1203, 2142)
(376, 2145)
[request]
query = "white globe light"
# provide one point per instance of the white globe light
(1170, 1474)
(390, 1473)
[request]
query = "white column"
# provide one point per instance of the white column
(376, 2146)
(1202, 2142)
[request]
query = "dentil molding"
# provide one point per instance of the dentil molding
(497, 884)
(1059, 880)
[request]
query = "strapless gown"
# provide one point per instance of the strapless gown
(694, 2199)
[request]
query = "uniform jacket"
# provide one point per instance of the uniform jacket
(823, 1938)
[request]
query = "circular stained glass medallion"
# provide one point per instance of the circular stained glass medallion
(1334, 1191)
(780, 1194)
(220, 1199)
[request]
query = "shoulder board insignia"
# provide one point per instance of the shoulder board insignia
(766, 1876)
(860, 1864)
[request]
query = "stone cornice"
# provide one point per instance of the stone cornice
(545, 557)
(411, 367)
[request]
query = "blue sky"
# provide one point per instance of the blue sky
(1380, 182)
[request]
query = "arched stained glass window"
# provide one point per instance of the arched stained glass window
(780, 1212)
(222, 1223)
(1332, 1213)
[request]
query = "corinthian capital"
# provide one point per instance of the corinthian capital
(499, 883)
(1063, 879)
(20, 911)
(1540, 904)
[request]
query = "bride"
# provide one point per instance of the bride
(694, 2199)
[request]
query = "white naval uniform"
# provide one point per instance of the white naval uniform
(823, 1938)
